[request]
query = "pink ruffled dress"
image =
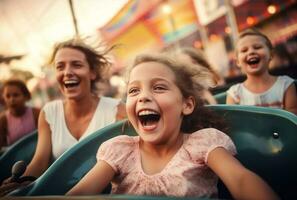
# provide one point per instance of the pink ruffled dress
(19, 126)
(185, 175)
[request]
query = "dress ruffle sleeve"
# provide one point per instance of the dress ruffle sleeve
(202, 142)
(233, 91)
(115, 151)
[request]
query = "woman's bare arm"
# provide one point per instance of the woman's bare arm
(121, 114)
(42, 156)
(3, 130)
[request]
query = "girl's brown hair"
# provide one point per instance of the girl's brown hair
(199, 58)
(255, 32)
(191, 81)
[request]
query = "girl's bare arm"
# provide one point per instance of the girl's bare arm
(230, 100)
(241, 182)
(121, 113)
(290, 99)
(94, 181)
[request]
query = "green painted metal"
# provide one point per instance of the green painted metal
(221, 97)
(23, 149)
(266, 141)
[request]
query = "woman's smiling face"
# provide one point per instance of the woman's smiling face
(73, 73)
(155, 105)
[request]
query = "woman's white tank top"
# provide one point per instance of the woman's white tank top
(61, 137)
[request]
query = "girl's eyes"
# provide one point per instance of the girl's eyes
(15, 95)
(133, 91)
(258, 46)
(243, 50)
(159, 87)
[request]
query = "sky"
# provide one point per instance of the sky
(32, 27)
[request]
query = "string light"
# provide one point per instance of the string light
(227, 30)
(271, 9)
(214, 37)
(166, 9)
(197, 44)
(250, 20)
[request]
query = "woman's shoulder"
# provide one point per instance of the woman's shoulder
(114, 107)
(109, 100)
(35, 110)
(121, 113)
(53, 104)
(53, 111)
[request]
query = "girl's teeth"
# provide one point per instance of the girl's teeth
(147, 112)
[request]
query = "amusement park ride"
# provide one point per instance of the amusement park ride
(265, 139)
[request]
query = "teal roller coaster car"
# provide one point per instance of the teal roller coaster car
(265, 138)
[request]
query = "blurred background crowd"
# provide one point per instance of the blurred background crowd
(29, 29)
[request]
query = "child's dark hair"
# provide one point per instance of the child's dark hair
(191, 81)
(20, 84)
(96, 59)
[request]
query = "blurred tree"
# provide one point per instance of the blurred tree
(8, 59)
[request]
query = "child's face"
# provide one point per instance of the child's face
(155, 105)
(73, 73)
(253, 55)
(14, 97)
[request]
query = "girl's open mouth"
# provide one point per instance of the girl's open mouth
(253, 62)
(148, 117)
